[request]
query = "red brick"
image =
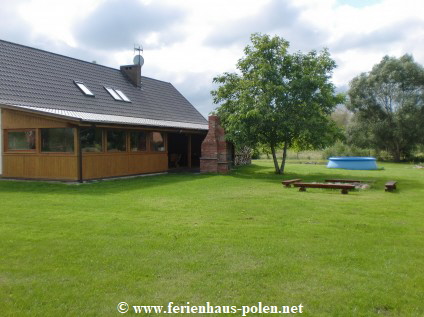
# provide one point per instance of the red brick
(216, 152)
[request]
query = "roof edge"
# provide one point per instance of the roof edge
(79, 117)
(37, 111)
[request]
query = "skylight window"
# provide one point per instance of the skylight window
(113, 93)
(117, 94)
(122, 95)
(84, 88)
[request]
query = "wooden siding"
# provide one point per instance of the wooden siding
(64, 166)
(120, 164)
(34, 164)
(43, 166)
(19, 120)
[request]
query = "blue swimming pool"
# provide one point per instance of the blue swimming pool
(352, 162)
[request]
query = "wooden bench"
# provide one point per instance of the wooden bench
(344, 187)
(390, 186)
(287, 183)
(344, 181)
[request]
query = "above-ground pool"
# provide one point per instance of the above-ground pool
(352, 162)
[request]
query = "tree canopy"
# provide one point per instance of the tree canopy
(388, 107)
(278, 98)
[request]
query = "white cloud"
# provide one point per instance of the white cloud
(54, 19)
(359, 37)
(189, 42)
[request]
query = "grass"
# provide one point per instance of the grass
(238, 239)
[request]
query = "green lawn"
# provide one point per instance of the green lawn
(238, 239)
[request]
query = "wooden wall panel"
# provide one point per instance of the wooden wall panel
(65, 167)
(13, 166)
(58, 167)
(109, 165)
(103, 165)
(20, 120)
(40, 166)
(148, 163)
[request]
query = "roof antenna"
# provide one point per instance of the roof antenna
(138, 59)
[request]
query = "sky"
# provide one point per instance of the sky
(189, 42)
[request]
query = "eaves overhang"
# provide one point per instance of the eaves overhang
(108, 119)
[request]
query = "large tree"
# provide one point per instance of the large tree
(388, 103)
(277, 98)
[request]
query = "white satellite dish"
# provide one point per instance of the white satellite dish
(138, 60)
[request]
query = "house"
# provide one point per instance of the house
(67, 119)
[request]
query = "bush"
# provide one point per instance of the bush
(418, 158)
(341, 149)
(256, 154)
(383, 156)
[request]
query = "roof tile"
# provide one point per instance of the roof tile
(34, 78)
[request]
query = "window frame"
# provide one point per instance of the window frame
(147, 135)
(113, 93)
(151, 142)
(122, 95)
(83, 87)
(6, 141)
(47, 152)
(106, 146)
(102, 141)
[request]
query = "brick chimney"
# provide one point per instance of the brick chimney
(133, 74)
(216, 152)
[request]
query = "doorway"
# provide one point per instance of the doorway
(177, 150)
(184, 150)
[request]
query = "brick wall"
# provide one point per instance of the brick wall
(216, 152)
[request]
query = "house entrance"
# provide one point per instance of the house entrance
(177, 150)
(184, 150)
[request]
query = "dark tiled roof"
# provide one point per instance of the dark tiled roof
(32, 77)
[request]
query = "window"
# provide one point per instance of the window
(138, 141)
(57, 140)
(157, 143)
(117, 94)
(113, 93)
(91, 140)
(116, 140)
(84, 88)
(122, 95)
(23, 140)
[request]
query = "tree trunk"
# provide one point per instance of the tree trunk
(396, 153)
(283, 163)
(274, 157)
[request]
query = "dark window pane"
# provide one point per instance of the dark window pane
(57, 140)
(21, 140)
(157, 143)
(116, 140)
(91, 140)
(138, 140)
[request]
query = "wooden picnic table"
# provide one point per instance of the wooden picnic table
(344, 187)
(288, 182)
(344, 181)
